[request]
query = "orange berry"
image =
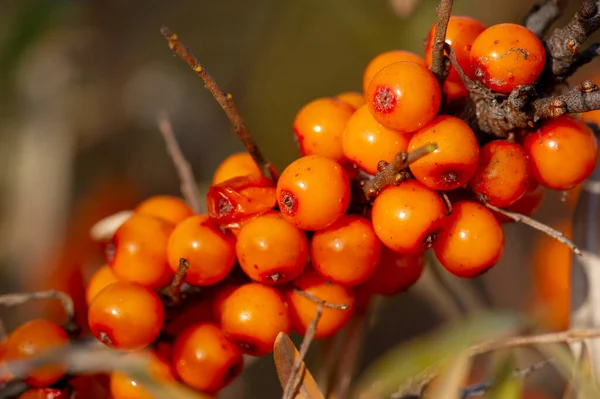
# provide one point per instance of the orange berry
(563, 152)
(404, 96)
(505, 56)
(126, 316)
(319, 125)
(270, 250)
(313, 192)
(34, 338)
(471, 242)
(456, 92)
(407, 217)
(303, 310)
(346, 252)
(138, 251)
(252, 316)
(527, 204)
(455, 160)
(209, 251)
(122, 386)
(205, 359)
(395, 273)
(45, 393)
(352, 98)
(235, 165)
(366, 141)
(172, 209)
(388, 58)
(102, 278)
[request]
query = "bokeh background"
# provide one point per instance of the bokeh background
(81, 84)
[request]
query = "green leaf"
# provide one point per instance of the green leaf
(506, 385)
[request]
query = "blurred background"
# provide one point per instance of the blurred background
(81, 84)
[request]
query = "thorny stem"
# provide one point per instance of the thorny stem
(582, 98)
(312, 298)
(542, 15)
(173, 294)
(187, 180)
(225, 100)
(439, 66)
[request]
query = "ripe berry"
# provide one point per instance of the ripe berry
(34, 338)
(270, 250)
(455, 160)
(303, 310)
(388, 58)
(502, 176)
(563, 152)
(126, 316)
(138, 251)
(505, 56)
(172, 209)
(366, 141)
(103, 277)
(252, 316)
(122, 386)
(235, 165)
(395, 273)
(204, 359)
(346, 252)
(404, 96)
(352, 98)
(319, 125)
(527, 204)
(209, 251)
(471, 241)
(313, 192)
(45, 393)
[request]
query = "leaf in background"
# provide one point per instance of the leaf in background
(506, 385)
(586, 367)
(449, 383)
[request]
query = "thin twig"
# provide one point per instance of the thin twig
(225, 100)
(517, 217)
(312, 298)
(189, 187)
(438, 61)
(173, 293)
(542, 15)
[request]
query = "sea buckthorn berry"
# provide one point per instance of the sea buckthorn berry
(471, 242)
(32, 339)
(366, 142)
(505, 56)
(172, 209)
(126, 316)
(527, 204)
(236, 165)
(270, 250)
(455, 160)
(138, 251)
(303, 310)
(313, 192)
(209, 251)
(122, 386)
(407, 217)
(103, 277)
(252, 316)
(205, 359)
(404, 96)
(319, 125)
(45, 393)
(502, 176)
(346, 252)
(395, 273)
(388, 58)
(563, 152)
(352, 98)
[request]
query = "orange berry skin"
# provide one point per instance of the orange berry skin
(209, 252)
(102, 278)
(251, 317)
(313, 192)
(502, 176)
(319, 125)
(563, 152)
(34, 338)
(505, 56)
(404, 96)
(347, 252)
(406, 216)
(527, 204)
(123, 386)
(205, 359)
(126, 316)
(454, 162)
(235, 165)
(140, 251)
(471, 241)
(395, 273)
(303, 310)
(366, 141)
(352, 98)
(172, 209)
(45, 393)
(388, 58)
(270, 250)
